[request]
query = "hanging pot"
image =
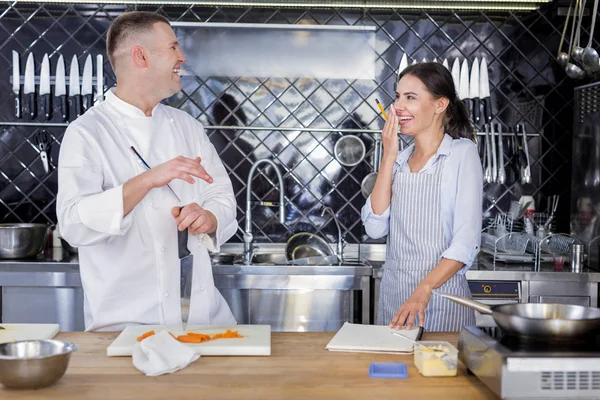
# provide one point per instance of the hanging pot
(368, 182)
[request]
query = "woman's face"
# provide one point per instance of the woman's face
(416, 108)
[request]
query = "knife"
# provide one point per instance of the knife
(474, 90)
(456, 75)
(74, 100)
(484, 90)
(86, 86)
(29, 86)
(403, 65)
(60, 89)
(464, 84)
(99, 78)
(445, 64)
(16, 84)
(186, 267)
(45, 87)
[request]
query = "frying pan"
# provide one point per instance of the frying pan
(537, 320)
(368, 182)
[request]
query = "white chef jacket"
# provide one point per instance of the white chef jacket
(129, 265)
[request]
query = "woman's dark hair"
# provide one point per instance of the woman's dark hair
(439, 82)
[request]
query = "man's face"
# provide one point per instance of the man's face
(164, 61)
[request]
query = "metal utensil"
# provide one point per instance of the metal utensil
(537, 320)
(16, 83)
(417, 343)
(306, 244)
(60, 88)
(22, 240)
(43, 141)
(577, 51)
(74, 97)
(456, 75)
(29, 86)
(99, 78)
(445, 64)
(501, 169)
(590, 59)
(86, 85)
(45, 88)
(368, 182)
(402, 66)
(563, 58)
(186, 268)
(34, 364)
(464, 84)
(349, 150)
(474, 90)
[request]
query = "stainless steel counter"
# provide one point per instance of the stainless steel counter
(264, 293)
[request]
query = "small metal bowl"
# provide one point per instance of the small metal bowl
(34, 364)
(22, 240)
(306, 244)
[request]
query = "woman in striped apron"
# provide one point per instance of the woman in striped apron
(427, 199)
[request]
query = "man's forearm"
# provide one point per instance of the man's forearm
(134, 190)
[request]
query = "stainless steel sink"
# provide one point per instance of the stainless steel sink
(279, 259)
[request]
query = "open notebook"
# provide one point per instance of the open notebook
(361, 338)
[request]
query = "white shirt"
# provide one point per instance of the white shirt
(461, 190)
(129, 264)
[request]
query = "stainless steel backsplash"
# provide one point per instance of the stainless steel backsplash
(527, 87)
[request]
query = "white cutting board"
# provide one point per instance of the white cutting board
(16, 332)
(256, 340)
(361, 338)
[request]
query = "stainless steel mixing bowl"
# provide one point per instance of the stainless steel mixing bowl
(22, 240)
(34, 364)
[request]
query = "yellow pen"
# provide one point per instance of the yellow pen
(381, 108)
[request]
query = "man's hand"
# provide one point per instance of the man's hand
(178, 168)
(195, 218)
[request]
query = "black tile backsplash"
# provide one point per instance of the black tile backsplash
(528, 87)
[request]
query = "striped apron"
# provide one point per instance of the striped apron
(414, 247)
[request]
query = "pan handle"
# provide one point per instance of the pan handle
(482, 308)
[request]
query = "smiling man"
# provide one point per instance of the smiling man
(123, 217)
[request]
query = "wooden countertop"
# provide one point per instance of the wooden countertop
(299, 368)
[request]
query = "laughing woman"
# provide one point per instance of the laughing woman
(427, 199)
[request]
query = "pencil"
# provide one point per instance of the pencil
(381, 108)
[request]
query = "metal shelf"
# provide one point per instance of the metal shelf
(252, 128)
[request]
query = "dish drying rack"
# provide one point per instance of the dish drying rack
(510, 246)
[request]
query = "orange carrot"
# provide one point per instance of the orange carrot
(145, 335)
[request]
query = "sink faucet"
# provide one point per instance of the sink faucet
(340, 243)
(248, 238)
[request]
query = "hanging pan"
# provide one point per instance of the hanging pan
(368, 182)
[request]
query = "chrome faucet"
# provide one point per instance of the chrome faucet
(340, 243)
(248, 238)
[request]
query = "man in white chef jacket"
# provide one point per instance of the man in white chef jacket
(123, 217)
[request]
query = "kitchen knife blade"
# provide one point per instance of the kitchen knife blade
(456, 75)
(29, 86)
(474, 89)
(99, 78)
(60, 88)
(403, 65)
(74, 97)
(86, 87)
(186, 267)
(464, 84)
(445, 64)
(16, 84)
(45, 87)
(484, 90)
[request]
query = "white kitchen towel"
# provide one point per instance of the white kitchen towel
(161, 354)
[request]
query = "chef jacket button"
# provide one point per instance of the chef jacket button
(202, 288)
(162, 249)
(152, 204)
(167, 294)
(121, 123)
(171, 120)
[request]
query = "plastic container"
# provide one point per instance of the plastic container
(436, 363)
(388, 370)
